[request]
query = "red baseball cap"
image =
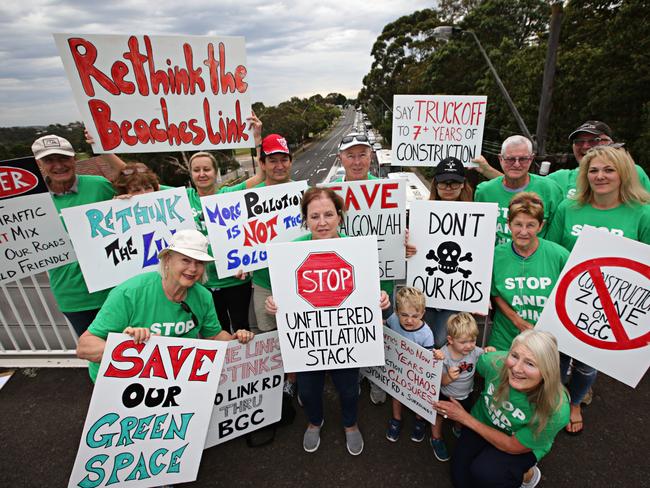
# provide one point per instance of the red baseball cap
(275, 143)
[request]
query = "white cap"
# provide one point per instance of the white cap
(46, 145)
(190, 243)
(354, 140)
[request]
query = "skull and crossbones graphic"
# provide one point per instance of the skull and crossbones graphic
(448, 255)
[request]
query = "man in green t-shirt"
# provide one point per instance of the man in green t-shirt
(589, 134)
(515, 158)
(56, 159)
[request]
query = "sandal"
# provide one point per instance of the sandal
(569, 428)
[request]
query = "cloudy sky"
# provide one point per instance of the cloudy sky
(294, 48)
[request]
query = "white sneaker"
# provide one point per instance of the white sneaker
(534, 481)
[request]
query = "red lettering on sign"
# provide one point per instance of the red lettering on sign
(119, 357)
(257, 232)
(325, 279)
(16, 181)
(386, 193)
(198, 362)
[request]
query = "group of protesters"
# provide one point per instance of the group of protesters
(524, 403)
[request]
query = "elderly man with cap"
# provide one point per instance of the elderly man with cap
(515, 158)
(166, 302)
(56, 159)
(590, 134)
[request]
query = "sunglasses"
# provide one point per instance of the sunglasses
(360, 138)
(130, 171)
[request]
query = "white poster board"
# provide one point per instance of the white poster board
(599, 309)
(430, 128)
(327, 294)
(240, 224)
(120, 238)
(249, 396)
(377, 208)
(143, 93)
(32, 237)
(149, 413)
(411, 374)
(455, 251)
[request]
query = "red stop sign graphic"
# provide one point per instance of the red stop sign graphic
(325, 279)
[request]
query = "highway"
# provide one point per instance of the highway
(315, 163)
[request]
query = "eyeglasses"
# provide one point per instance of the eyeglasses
(454, 185)
(130, 171)
(518, 159)
(358, 137)
(590, 142)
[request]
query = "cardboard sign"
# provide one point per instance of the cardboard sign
(327, 294)
(411, 374)
(430, 128)
(455, 250)
(377, 208)
(240, 224)
(159, 93)
(249, 396)
(599, 309)
(120, 238)
(149, 413)
(32, 237)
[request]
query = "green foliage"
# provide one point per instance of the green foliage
(603, 69)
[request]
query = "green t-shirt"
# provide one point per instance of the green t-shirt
(525, 284)
(141, 302)
(515, 416)
(494, 191)
(197, 212)
(67, 282)
(632, 221)
(566, 178)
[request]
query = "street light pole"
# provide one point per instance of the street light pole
(446, 32)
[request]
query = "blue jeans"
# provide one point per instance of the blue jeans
(437, 321)
(80, 321)
(476, 463)
(310, 389)
(582, 378)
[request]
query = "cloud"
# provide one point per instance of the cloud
(294, 48)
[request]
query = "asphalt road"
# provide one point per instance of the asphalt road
(42, 414)
(315, 162)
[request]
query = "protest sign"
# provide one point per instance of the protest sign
(327, 294)
(378, 208)
(149, 413)
(599, 309)
(430, 128)
(411, 374)
(159, 93)
(249, 396)
(120, 238)
(455, 243)
(32, 237)
(240, 224)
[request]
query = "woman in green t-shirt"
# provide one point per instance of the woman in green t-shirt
(512, 426)
(322, 210)
(524, 272)
(169, 303)
(609, 196)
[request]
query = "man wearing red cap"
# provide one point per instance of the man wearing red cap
(591, 133)
(56, 159)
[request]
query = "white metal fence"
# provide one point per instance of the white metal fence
(34, 332)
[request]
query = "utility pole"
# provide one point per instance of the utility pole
(549, 74)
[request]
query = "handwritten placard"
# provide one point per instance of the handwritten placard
(377, 207)
(249, 396)
(149, 413)
(599, 309)
(240, 224)
(455, 251)
(327, 294)
(142, 93)
(430, 128)
(411, 374)
(117, 239)
(32, 237)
